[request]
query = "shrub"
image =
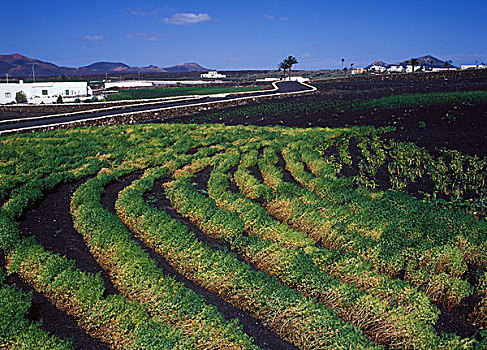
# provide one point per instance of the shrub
(21, 97)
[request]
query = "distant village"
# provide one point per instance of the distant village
(420, 64)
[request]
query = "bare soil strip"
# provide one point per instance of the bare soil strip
(52, 225)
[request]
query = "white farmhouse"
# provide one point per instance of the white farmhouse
(396, 69)
(44, 91)
(442, 69)
(473, 66)
(376, 68)
(213, 75)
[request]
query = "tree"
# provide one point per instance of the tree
(283, 66)
(290, 61)
(414, 62)
(449, 63)
(343, 60)
(20, 97)
(63, 77)
(59, 99)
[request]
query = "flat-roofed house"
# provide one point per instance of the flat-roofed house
(46, 92)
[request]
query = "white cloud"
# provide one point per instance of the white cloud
(91, 38)
(306, 55)
(271, 17)
(145, 36)
(187, 18)
(137, 11)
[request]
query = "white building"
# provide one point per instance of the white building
(213, 75)
(46, 92)
(128, 84)
(298, 79)
(396, 69)
(442, 69)
(409, 68)
(376, 68)
(473, 66)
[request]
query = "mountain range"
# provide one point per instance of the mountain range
(16, 65)
(428, 61)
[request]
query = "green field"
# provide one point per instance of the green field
(327, 249)
(137, 94)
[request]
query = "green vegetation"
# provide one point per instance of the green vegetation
(136, 94)
(324, 260)
(16, 331)
(458, 180)
(20, 97)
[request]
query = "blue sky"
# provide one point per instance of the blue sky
(243, 34)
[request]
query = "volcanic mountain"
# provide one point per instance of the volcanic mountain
(16, 65)
(378, 63)
(428, 61)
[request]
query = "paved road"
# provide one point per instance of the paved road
(31, 123)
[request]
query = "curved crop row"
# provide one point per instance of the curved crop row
(16, 330)
(306, 212)
(397, 307)
(112, 319)
(292, 316)
(139, 279)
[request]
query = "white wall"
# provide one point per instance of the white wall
(473, 66)
(46, 92)
(128, 84)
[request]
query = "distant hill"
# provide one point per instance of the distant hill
(378, 63)
(187, 67)
(21, 66)
(428, 61)
(106, 66)
(16, 65)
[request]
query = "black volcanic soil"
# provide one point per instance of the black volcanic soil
(465, 129)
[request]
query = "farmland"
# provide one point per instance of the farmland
(136, 94)
(351, 219)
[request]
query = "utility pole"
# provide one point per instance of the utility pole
(33, 73)
(6, 74)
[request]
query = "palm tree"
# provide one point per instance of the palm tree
(343, 60)
(414, 62)
(283, 66)
(290, 61)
